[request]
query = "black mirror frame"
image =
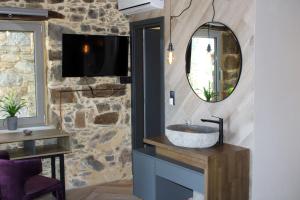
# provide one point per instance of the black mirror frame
(188, 56)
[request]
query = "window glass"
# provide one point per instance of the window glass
(17, 71)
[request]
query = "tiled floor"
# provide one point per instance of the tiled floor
(112, 191)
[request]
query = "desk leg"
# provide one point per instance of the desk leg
(62, 172)
(53, 169)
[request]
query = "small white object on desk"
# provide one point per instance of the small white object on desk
(27, 132)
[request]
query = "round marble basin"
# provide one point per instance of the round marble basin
(192, 136)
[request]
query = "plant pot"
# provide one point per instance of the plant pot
(12, 123)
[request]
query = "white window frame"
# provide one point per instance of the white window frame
(38, 30)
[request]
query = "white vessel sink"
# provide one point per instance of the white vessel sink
(192, 136)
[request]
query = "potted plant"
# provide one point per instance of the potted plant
(209, 93)
(11, 105)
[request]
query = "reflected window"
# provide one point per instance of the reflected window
(202, 65)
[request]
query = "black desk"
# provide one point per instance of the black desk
(49, 151)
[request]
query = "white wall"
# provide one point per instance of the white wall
(276, 168)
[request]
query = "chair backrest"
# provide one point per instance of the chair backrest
(4, 155)
(11, 181)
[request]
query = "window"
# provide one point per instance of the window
(22, 69)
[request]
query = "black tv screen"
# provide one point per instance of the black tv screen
(94, 55)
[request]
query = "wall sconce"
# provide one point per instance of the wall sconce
(170, 52)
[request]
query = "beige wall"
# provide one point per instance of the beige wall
(237, 110)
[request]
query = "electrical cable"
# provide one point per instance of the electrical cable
(214, 10)
(170, 21)
(175, 16)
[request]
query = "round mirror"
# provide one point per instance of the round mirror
(213, 62)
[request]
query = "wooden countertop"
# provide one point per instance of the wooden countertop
(163, 142)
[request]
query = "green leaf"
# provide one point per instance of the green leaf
(11, 104)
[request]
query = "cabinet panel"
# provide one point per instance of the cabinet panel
(143, 176)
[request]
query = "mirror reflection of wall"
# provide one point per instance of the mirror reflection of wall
(213, 62)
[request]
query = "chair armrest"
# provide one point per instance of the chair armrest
(29, 167)
(4, 155)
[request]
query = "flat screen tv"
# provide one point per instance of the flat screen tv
(94, 55)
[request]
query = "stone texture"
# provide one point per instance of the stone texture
(127, 119)
(80, 119)
(55, 1)
(95, 164)
(102, 107)
(128, 104)
(229, 44)
(98, 29)
(10, 57)
(34, 1)
(106, 90)
(108, 6)
(66, 97)
(85, 28)
(107, 137)
(76, 18)
(231, 75)
(114, 29)
(116, 107)
(109, 158)
(55, 31)
(8, 79)
(125, 157)
(68, 119)
(101, 12)
(25, 67)
(56, 73)
(231, 62)
(55, 55)
(78, 183)
(107, 118)
(93, 14)
(86, 81)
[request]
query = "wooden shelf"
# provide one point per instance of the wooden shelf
(36, 135)
(30, 148)
(45, 150)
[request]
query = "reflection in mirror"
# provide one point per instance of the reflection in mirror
(213, 62)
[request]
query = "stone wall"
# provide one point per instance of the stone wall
(99, 125)
(230, 62)
(17, 69)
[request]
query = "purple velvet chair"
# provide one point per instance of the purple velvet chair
(20, 180)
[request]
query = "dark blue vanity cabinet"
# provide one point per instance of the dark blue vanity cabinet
(144, 175)
(159, 178)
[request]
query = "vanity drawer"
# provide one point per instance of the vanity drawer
(181, 175)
